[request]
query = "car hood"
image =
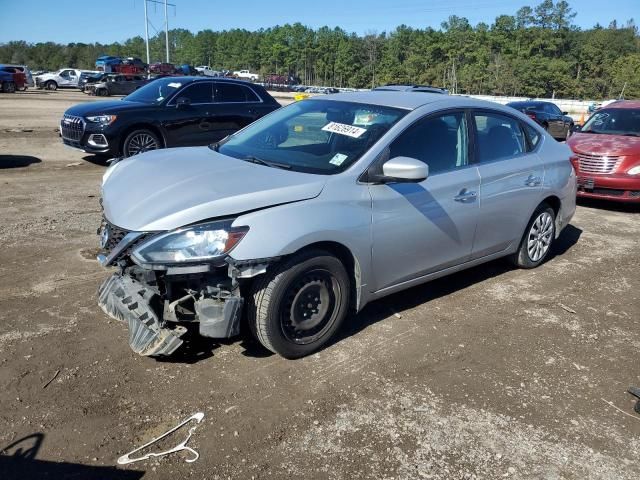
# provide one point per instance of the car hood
(603, 144)
(167, 189)
(109, 106)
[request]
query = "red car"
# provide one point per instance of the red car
(607, 153)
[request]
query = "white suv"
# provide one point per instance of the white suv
(66, 77)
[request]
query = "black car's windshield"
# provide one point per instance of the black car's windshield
(314, 136)
(156, 91)
(614, 121)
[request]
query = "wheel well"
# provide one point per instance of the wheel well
(139, 126)
(350, 263)
(554, 203)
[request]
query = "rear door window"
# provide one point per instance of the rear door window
(198, 92)
(231, 93)
(499, 137)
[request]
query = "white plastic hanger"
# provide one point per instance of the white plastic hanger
(125, 459)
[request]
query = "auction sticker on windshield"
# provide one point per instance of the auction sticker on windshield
(343, 129)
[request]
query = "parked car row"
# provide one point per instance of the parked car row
(14, 77)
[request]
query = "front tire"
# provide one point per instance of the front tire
(298, 305)
(9, 87)
(538, 238)
(140, 141)
(51, 85)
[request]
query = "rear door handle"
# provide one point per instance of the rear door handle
(533, 181)
(466, 196)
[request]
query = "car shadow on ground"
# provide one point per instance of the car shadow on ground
(611, 206)
(18, 461)
(422, 294)
(17, 161)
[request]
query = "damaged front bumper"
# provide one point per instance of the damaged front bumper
(156, 321)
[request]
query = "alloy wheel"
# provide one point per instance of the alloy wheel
(540, 237)
(141, 142)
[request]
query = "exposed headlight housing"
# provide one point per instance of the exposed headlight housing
(634, 170)
(200, 243)
(102, 119)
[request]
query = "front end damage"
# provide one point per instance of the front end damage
(160, 303)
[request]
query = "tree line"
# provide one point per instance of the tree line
(537, 52)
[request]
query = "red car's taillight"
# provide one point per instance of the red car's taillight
(532, 116)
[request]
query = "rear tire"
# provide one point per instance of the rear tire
(140, 141)
(537, 239)
(297, 306)
(51, 85)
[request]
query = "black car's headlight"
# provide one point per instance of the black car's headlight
(200, 243)
(102, 119)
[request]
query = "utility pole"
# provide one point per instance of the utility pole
(166, 24)
(146, 29)
(166, 29)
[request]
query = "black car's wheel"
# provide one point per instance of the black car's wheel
(298, 305)
(8, 87)
(140, 141)
(51, 85)
(101, 92)
(537, 239)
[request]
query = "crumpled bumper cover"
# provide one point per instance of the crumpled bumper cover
(127, 300)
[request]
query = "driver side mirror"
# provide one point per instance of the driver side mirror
(575, 128)
(183, 102)
(565, 113)
(402, 170)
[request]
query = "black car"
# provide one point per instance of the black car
(117, 84)
(547, 114)
(167, 112)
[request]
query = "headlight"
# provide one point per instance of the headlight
(634, 170)
(102, 119)
(193, 244)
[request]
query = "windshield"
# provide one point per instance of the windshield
(314, 136)
(614, 121)
(156, 91)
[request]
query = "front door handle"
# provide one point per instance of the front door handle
(533, 181)
(466, 196)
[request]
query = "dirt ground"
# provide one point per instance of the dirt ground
(489, 373)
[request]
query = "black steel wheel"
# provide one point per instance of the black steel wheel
(140, 141)
(296, 307)
(308, 309)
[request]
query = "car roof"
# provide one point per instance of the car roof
(623, 104)
(409, 100)
(190, 79)
(410, 88)
(523, 103)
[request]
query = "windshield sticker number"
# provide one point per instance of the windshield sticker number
(342, 129)
(338, 159)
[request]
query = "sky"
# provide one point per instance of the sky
(107, 21)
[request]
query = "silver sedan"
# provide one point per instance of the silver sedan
(298, 221)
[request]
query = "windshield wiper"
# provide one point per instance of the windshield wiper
(266, 163)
